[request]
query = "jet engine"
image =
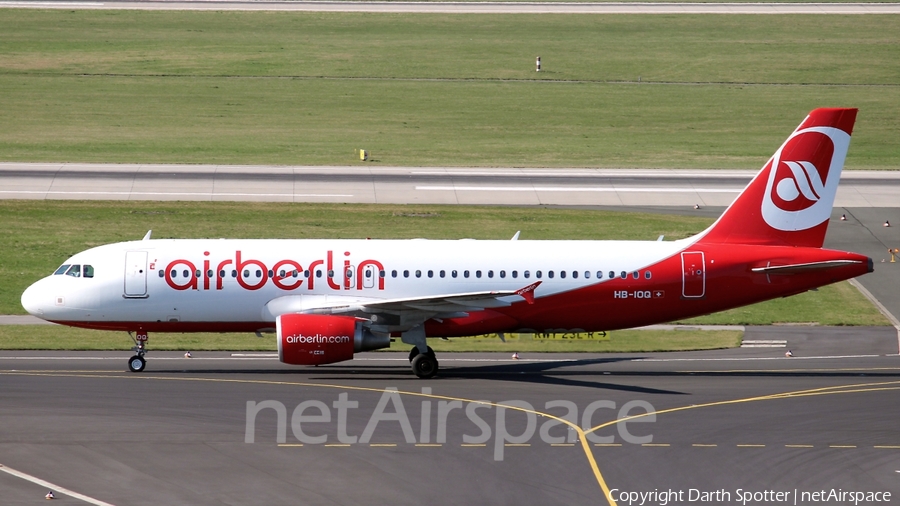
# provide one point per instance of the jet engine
(309, 339)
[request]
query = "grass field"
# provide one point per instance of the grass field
(40, 235)
(46, 337)
(310, 88)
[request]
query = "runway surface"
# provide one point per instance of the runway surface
(178, 433)
(478, 7)
(407, 185)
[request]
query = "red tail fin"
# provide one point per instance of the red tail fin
(789, 202)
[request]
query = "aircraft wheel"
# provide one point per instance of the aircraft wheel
(425, 365)
(136, 363)
(415, 351)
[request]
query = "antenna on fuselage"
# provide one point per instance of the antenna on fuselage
(147, 235)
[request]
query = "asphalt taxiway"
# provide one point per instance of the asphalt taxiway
(406, 185)
(747, 418)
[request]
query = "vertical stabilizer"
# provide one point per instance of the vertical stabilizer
(789, 202)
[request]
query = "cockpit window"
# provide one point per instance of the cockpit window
(62, 270)
(88, 271)
(74, 271)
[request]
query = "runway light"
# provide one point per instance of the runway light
(789, 354)
(696, 206)
(538, 63)
(188, 355)
(515, 356)
(843, 217)
(50, 495)
(886, 223)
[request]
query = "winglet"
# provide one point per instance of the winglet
(516, 237)
(527, 293)
(147, 235)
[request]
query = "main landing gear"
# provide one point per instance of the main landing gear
(137, 362)
(424, 365)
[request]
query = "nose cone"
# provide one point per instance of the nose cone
(34, 300)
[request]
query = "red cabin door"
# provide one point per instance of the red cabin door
(693, 269)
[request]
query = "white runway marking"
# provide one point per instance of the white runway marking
(173, 194)
(53, 487)
(733, 359)
(575, 189)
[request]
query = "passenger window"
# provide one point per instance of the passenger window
(612, 274)
(635, 275)
(624, 274)
(574, 274)
(405, 274)
(162, 274)
(382, 273)
(453, 273)
(465, 274)
(222, 273)
(418, 274)
(270, 272)
(233, 273)
(350, 273)
(430, 274)
(443, 274)
(477, 274)
(599, 274)
(62, 270)
(88, 271)
(318, 273)
(246, 273)
(185, 273)
(490, 274)
(197, 273)
(562, 274)
(306, 274)
(515, 274)
(502, 274)
(537, 274)
(550, 274)
(587, 275)
(527, 274)
(330, 273)
(647, 275)
(209, 273)
(394, 273)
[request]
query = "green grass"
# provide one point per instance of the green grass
(838, 304)
(39, 235)
(310, 88)
(52, 337)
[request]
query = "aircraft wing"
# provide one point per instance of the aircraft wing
(452, 305)
(472, 301)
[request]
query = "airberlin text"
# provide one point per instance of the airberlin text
(316, 339)
(287, 274)
(438, 422)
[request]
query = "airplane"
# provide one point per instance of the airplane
(327, 299)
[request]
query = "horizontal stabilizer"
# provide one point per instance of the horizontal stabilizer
(803, 268)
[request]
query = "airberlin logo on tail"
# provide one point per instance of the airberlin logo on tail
(803, 178)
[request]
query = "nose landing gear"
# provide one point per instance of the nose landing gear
(137, 362)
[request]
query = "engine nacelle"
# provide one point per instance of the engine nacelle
(310, 339)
